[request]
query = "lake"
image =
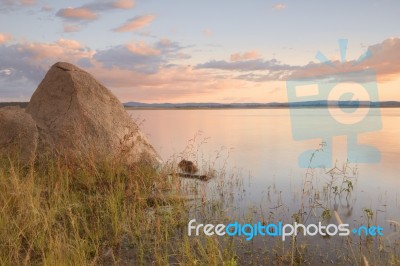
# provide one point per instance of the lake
(258, 148)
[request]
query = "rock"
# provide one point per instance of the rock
(79, 118)
(18, 135)
(188, 166)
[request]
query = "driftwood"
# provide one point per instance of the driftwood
(194, 176)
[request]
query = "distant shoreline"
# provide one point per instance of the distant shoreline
(272, 105)
(243, 108)
(221, 106)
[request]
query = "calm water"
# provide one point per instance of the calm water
(258, 145)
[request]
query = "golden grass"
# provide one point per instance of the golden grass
(56, 213)
(53, 213)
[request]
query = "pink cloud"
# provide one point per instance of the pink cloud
(30, 61)
(136, 23)
(141, 48)
(175, 84)
(384, 60)
(27, 62)
(69, 44)
(67, 50)
(5, 38)
(124, 4)
(79, 13)
(250, 55)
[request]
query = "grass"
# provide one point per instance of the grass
(55, 213)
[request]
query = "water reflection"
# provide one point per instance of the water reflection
(259, 143)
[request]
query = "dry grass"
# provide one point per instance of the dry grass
(54, 213)
(59, 214)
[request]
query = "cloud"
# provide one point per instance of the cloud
(383, 60)
(30, 59)
(255, 70)
(141, 48)
(5, 38)
(69, 44)
(109, 5)
(91, 10)
(141, 57)
(248, 65)
(135, 23)
(71, 28)
(250, 55)
(136, 71)
(140, 69)
(168, 47)
(121, 57)
(169, 84)
(124, 4)
(23, 65)
(208, 32)
(5, 72)
(171, 50)
(79, 13)
(98, 6)
(154, 71)
(14, 60)
(279, 6)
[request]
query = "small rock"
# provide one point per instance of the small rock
(18, 135)
(188, 166)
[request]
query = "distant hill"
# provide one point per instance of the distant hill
(20, 104)
(314, 104)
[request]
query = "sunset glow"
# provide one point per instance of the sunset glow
(195, 52)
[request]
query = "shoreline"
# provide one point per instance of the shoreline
(244, 108)
(224, 107)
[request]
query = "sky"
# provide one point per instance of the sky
(202, 51)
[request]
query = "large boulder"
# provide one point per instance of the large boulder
(79, 118)
(18, 135)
